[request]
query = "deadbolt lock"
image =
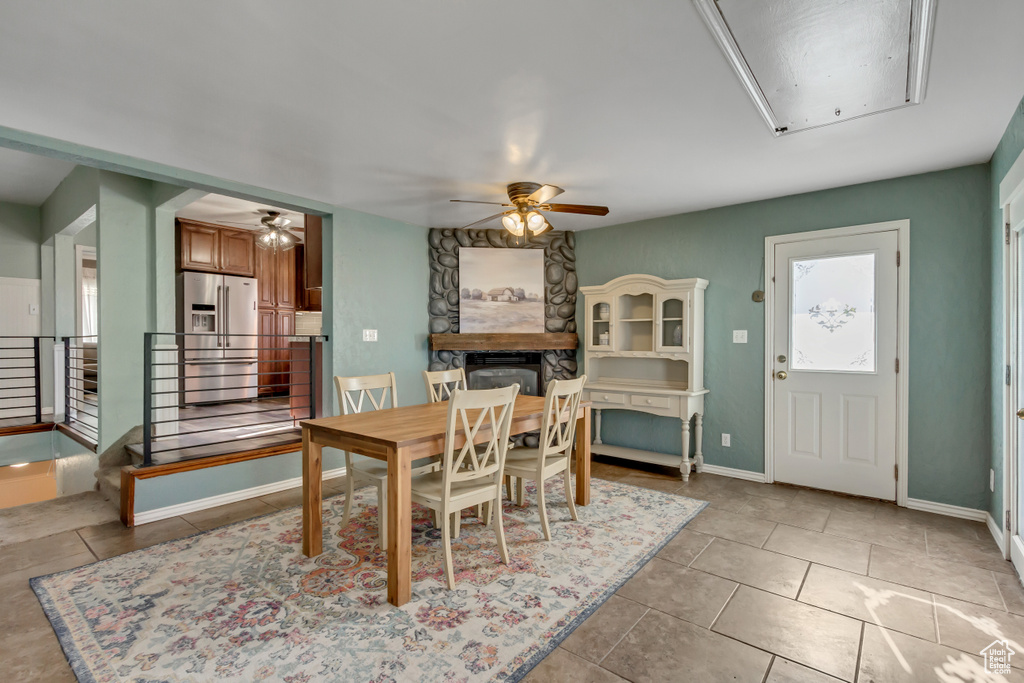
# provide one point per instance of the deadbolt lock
(1020, 413)
(781, 374)
(781, 359)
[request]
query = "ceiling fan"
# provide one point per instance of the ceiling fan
(275, 234)
(527, 201)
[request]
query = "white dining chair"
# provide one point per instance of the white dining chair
(470, 473)
(356, 395)
(551, 456)
(441, 383)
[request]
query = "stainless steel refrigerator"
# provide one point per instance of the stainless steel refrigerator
(220, 344)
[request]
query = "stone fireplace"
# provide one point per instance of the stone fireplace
(493, 369)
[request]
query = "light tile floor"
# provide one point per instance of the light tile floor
(769, 584)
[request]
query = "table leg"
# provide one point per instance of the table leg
(399, 529)
(684, 466)
(312, 496)
(698, 436)
(582, 447)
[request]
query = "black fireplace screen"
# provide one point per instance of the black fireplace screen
(502, 369)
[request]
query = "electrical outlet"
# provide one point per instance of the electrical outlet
(727, 440)
(991, 480)
(369, 335)
(739, 336)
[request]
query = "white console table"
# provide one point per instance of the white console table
(645, 352)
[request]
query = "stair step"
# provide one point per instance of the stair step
(108, 480)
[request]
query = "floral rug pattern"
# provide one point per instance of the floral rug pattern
(243, 603)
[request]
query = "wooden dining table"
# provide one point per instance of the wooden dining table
(398, 436)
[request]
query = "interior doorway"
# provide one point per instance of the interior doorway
(835, 324)
(1011, 198)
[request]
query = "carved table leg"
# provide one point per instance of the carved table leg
(597, 426)
(698, 436)
(684, 466)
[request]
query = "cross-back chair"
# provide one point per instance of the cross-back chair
(470, 473)
(441, 383)
(551, 457)
(357, 395)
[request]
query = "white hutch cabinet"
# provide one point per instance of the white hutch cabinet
(645, 352)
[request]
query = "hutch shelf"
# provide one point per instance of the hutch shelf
(645, 352)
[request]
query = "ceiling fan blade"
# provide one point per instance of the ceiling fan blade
(484, 220)
(470, 201)
(545, 192)
(576, 208)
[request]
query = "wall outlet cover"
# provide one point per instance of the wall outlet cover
(739, 336)
(369, 335)
(727, 440)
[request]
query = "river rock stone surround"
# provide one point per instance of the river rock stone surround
(560, 287)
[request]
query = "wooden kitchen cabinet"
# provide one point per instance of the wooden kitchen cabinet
(277, 280)
(200, 247)
(308, 299)
(313, 265)
(266, 269)
(214, 249)
(275, 326)
(237, 253)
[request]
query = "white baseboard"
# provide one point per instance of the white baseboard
(994, 529)
(948, 510)
(731, 472)
(225, 498)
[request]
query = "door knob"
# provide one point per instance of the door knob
(781, 374)
(1020, 413)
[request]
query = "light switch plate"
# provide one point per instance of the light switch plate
(727, 440)
(369, 335)
(739, 336)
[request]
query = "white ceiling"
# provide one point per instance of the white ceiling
(239, 213)
(393, 107)
(29, 178)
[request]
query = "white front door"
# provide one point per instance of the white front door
(834, 356)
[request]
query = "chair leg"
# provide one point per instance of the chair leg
(543, 510)
(480, 512)
(500, 527)
(508, 486)
(349, 490)
(456, 523)
(568, 495)
(520, 491)
(446, 541)
(486, 517)
(382, 514)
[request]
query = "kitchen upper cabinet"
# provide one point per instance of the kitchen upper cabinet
(237, 252)
(200, 247)
(213, 249)
(308, 299)
(313, 265)
(275, 272)
(285, 285)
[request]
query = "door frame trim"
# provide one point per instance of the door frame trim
(902, 228)
(1011, 186)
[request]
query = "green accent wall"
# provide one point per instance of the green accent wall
(950, 293)
(20, 238)
(1010, 147)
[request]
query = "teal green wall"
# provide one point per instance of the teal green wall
(20, 239)
(75, 195)
(950, 294)
(26, 448)
(1010, 147)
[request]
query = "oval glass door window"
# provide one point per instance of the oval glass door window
(832, 313)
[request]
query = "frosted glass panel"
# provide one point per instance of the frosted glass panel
(832, 326)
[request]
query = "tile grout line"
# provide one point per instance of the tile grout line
(803, 581)
(628, 631)
(724, 605)
(768, 671)
(860, 651)
(935, 619)
(88, 547)
(765, 541)
(1006, 606)
(713, 539)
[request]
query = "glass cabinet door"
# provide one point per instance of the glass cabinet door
(673, 334)
(599, 325)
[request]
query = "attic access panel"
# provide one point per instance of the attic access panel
(811, 63)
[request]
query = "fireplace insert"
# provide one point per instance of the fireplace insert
(492, 369)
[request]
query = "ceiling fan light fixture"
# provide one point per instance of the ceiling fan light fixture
(535, 221)
(513, 222)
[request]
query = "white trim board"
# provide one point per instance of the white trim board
(902, 228)
(994, 529)
(746, 475)
(224, 498)
(947, 510)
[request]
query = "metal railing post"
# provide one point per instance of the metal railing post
(39, 382)
(147, 398)
(67, 380)
(312, 378)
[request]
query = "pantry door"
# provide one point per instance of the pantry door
(834, 362)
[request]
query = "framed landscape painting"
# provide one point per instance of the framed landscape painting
(501, 290)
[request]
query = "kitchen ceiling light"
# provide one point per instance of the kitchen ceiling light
(274, 235)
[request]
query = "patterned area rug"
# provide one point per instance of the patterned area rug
(243, 603)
